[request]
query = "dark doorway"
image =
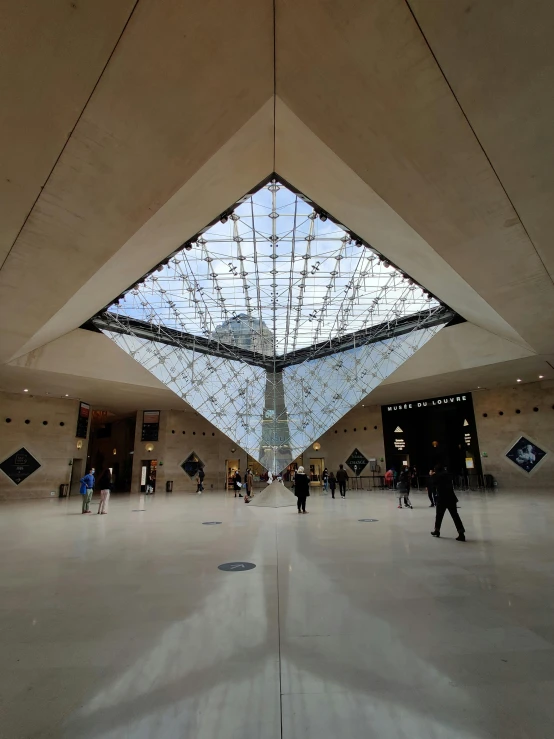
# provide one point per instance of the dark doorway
(434, 431)
(148, 468)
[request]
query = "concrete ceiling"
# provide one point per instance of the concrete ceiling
(424, 126)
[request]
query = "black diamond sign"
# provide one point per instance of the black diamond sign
(19, 466)
(526, 454)
(356, 461)
(192, 464)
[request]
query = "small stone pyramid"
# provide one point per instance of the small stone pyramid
(275, 495)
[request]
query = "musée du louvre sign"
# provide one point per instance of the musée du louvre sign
(447, 400)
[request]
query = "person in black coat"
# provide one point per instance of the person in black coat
(446, 501)
(301, 489)
(431, 492)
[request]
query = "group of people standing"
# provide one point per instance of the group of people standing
(86, 489)
(247, 486)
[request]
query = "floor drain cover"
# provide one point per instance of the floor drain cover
(236, 566)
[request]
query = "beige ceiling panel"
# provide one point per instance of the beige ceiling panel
(456, 348)
(307, 163)
(242, 162)
(115, 396)
(497, 57)
(498, 375)
(184, 79)
(88, 354)
(51, 56)
(377, 98)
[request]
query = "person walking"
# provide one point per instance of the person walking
(403, 488)
(150, 484)
(301, 489)
(200, 480)
(332, 483)
(325, 478)
(237, 484)
(431, 491)
(446, 501)
(105, 483)
(342, 478)
(87, 489)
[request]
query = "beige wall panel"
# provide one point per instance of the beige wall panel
(377, 98)
(497, 56)
(51, 56)
(185, 77)
(356, 430)
(200, 436)
(497, 433)
(52, 445)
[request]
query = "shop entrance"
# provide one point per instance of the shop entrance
(148, 468)
(317, 465)
(231, 466)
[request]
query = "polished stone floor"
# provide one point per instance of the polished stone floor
(123, 627)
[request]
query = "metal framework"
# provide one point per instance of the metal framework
(274, 322)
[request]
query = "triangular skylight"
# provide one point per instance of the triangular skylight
(279, 291)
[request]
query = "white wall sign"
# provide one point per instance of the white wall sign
(424, 403)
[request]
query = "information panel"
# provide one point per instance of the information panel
(150, 425)
(82, 420)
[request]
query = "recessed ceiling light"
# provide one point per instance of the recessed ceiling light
(540, 377)
(25, 391)
(67, 395)
(518, 379)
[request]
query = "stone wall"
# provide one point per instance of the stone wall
(49, 436)
(360, 429)
(182, 433)
(510, 414)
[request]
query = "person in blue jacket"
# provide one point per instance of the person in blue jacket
(87, 489)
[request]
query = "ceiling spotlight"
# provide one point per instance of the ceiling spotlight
(67, 395)
(358, 242)
(223, 218)
(386, 264)
(540, 378)
(518, 380)
(323, 216)
(26, 390)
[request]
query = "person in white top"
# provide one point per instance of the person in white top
(105, 489)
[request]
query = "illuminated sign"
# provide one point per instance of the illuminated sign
(425, 403)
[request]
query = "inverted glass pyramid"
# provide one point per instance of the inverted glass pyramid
(273, 322)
